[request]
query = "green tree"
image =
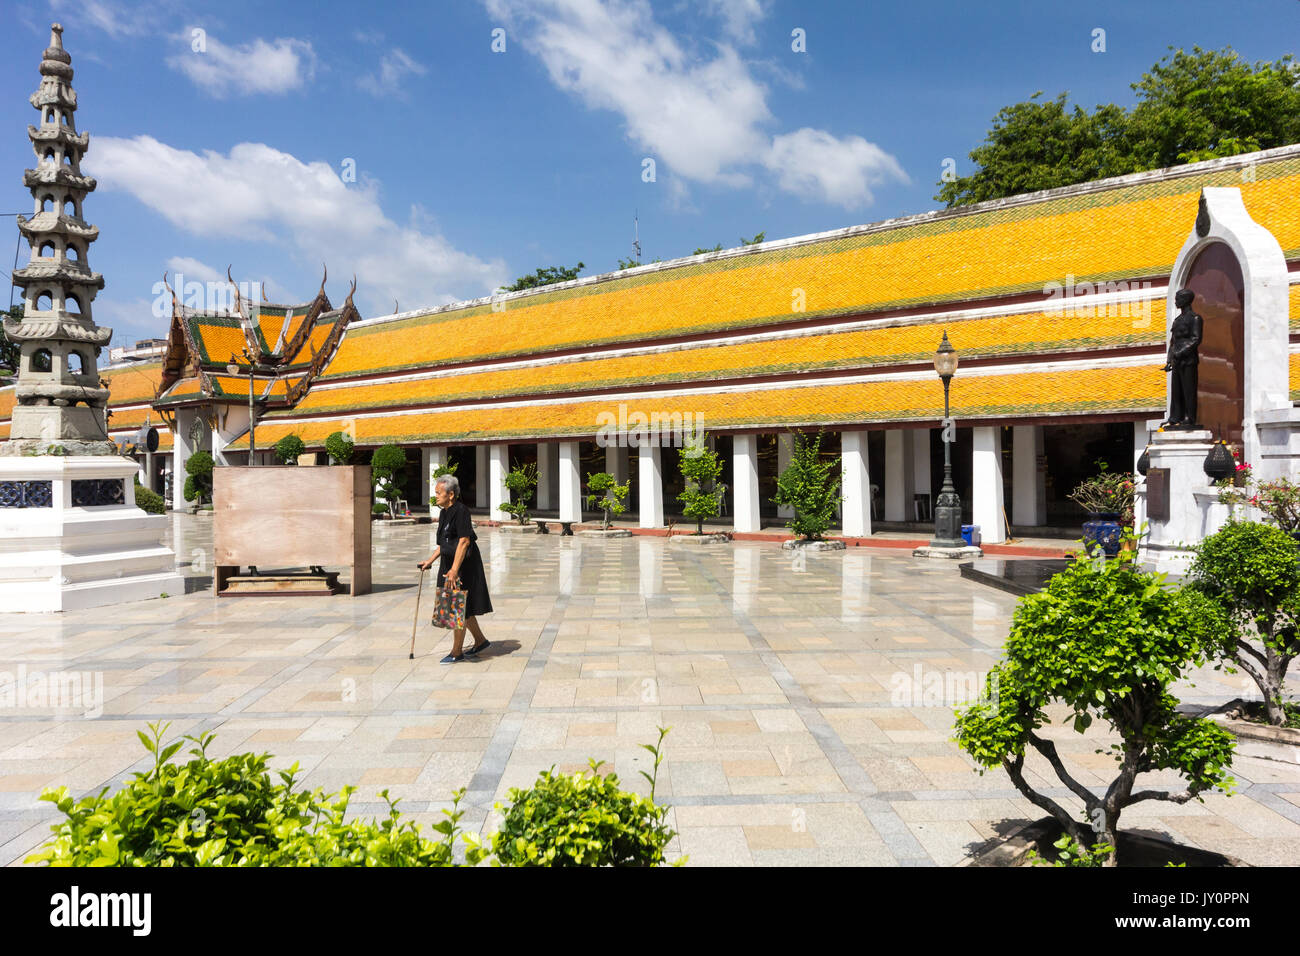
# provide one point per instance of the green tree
(1107, 640)
(520, 482)
(701, 250)
(10, 352)
(606, 494)
(702, 497)
(340, 448)
(1249, 571)
(1191, 106)
(288, 448)
(446, 468)
(386, 464)
(198, 484)
(811, 487)
(548, 275)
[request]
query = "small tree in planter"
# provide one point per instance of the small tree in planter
(1107, 640)
(606, 494)
(340, 448)
(385, 464)
(811, 487)
(1108, 493)
(1249, 571)
(288, 448)
(198, 484)
(520, 482)
(703, 495)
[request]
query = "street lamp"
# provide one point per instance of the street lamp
(947, 511)
(233, 369)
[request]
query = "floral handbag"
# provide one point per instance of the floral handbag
(449, 608)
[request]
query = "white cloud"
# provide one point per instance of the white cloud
(194, 269)
(115, 19)
(259, 67)
(816, 165)
(705, 119)
(262, 194)
(738, 17)
(394, 68)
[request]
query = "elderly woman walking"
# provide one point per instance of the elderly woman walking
(460, 563)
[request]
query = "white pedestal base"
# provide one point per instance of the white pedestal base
(1194, 509)
(64, 557)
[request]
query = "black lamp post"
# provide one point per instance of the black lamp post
(947, 510)
(233, 369)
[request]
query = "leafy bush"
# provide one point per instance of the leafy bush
(385, 464)
(607, 495)
(199, 483)
(1073, 854)
(702, 497)
(288, 448)
(379, 508)
(149, 501)
(340, 448)
(1249, 571)
(811, 487)
(520, 482)
(584, 820)
(231, 813)
(1106, 639)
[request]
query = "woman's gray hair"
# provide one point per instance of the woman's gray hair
(450, 483)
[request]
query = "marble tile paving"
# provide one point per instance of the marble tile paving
(810, 699)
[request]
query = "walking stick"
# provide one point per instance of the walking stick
(416, 622)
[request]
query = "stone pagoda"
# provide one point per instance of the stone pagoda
(71, 535)
(60, 403)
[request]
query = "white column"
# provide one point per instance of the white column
(545, 468)
(570, 483)
(1027, 485)
(898, 476)
(498, 494)
(857, 485)
(784, 452)
(921, 460)
(148, 471)
(986, 493)
(651, 490)
(481, 477)
(432, 457)
(744, 475)
(180, 451)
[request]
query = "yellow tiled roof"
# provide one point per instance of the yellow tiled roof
(1107, 389)
(1120, 233)
(1032, 333)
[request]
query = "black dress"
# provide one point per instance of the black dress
(453, 524)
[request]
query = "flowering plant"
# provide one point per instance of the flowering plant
(1107, 491)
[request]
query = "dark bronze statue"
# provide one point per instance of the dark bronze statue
(1184, 339)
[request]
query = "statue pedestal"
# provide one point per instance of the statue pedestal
(62, 547)
(1192, 505)
(1279, 444)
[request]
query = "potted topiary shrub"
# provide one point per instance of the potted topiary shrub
(607, 495)
(703, 495)
(288, 448)
(810, 486)
(198, 483)
(1107, 640)
(385, 464)
(340, 448)
(1108, 499)
(148, 501)
(520, 482)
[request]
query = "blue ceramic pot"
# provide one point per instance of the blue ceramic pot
(1103, 528)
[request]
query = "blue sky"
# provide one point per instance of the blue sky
(473, 166)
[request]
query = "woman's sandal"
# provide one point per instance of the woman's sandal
(449, 659)
(474, 650)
